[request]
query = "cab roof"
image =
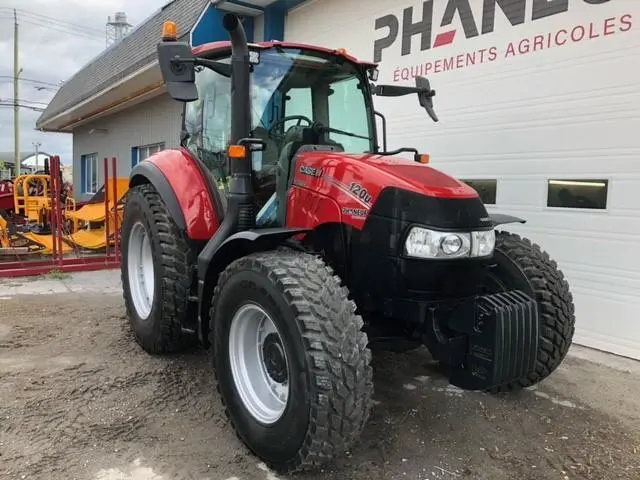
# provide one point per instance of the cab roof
(214, 47)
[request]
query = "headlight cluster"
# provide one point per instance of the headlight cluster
(425, 243)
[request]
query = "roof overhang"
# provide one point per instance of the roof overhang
(139, 86)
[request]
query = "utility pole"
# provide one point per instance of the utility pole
(16, 109)
(36, 145)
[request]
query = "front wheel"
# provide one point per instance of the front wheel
(291, 361)
(522, 265)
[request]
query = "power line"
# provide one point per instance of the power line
(24, 101)
(28, 107)
(68, 31)
(31, 80)
(39, 17)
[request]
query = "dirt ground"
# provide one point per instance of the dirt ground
(80, 400)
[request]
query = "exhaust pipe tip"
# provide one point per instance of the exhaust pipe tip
(230, 22)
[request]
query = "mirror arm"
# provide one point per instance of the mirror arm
(221, 68)
(398, 91)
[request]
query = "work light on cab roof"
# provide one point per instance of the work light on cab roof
(169, 31)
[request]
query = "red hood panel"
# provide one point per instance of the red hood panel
(378, 172)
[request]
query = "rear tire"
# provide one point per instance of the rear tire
(328, 379)
(155, 272)
(524, 266)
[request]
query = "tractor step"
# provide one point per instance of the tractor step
(502, 340)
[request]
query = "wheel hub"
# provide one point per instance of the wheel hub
(274, 358)
(258, 364)
(141, 270)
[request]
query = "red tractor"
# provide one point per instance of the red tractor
(282, 235)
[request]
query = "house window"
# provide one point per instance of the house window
(486, 188)
(138, 154)
(585, 193)
(89, 173)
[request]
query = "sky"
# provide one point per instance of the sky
(56, 39)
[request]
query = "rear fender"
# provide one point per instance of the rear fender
(212, 263)
(502, 219)
(182, 184)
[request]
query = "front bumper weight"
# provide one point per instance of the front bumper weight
(502, 343)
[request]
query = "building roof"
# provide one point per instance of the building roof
(132, 53)
(7, 157)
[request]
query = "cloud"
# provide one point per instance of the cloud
(57, 38)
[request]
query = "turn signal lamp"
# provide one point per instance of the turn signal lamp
(341, 51)
(423, 158)
(169, 31)
(237, 151)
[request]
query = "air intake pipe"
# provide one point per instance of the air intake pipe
(240, 169)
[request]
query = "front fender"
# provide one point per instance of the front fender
(502, 219)
(212, 261)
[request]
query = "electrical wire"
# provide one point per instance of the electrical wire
(47, 19)
(30, 80)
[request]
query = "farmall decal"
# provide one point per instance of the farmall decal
(459, 21)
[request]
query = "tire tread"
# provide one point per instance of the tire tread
(555, 305)
(176, 282)
(338, 358)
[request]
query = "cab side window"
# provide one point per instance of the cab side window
(207, 123)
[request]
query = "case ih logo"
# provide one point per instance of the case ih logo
(514, 10)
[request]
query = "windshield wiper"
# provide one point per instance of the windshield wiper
(343, 132)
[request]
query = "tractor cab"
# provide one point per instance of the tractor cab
(301, 98)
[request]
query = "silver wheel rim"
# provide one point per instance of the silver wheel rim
(140, 268)
(259, 364)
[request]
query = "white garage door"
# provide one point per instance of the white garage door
(538, 103)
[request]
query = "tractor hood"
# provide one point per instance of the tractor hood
(383, 186)
(375, 172)
(418, 177)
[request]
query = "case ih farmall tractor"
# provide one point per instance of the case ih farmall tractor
(283, 236)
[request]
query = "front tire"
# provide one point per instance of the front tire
(155, 272)
(313, 355)
(523, 265)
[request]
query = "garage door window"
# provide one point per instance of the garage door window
(486, 188)
(572, 193)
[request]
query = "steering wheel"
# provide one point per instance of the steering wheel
(282, 121)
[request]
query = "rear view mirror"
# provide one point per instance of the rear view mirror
(177, 65)
(425, 96)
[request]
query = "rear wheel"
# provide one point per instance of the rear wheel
(291, 361)
(522, 265)
(155, 271)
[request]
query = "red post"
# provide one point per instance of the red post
(53, 218)
(106, 206)
(59, 220)
(114, 172)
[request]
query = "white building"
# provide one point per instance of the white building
(537, 100)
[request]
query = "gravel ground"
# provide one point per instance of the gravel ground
(80, 400)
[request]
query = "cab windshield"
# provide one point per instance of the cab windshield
(297, 96)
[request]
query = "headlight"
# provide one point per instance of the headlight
(483, 243)
(425, 243)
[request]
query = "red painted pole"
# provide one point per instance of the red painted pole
(106, 206)
(59, 222)
(52, 215)
(114, 172)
